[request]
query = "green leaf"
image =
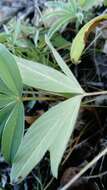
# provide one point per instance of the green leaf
(13, 132)
(46, 78)
(60, 22)
(88, 4)
(62, 13)
(3, 37)
(11, 120)
(105, 3)
(62, 64)
(4, 113)
(59, 41)
(60, 143)
(17, 31)
(9, 72)
(41, 136)
(5, 100)
(56, 4)
(4, 89)
(79, 41)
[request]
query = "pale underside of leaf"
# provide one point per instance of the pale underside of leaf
(13, 132)
(59, 145)
(40, 136)
(46, 78)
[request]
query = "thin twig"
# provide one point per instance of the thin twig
(96, 176)
(88, 166)
(50, 182)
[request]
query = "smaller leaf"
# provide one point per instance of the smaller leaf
(80, 40)
(60, 22)
(17, 31)
(58, 58)
(62, 64)
(60, 143)
(13, 132)
(46, 78)
(62, 13)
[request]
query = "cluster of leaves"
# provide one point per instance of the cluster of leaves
(67, 12)
(19, 38)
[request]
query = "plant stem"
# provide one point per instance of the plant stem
(50, 99)
(37, 98)
(92, 106)
(95, 93)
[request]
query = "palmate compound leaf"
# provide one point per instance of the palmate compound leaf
(80, 40)
(46, 78)
(42, 135)
(11, 120)
(59, 14)
(9, 72)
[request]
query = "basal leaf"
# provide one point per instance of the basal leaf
(13, 132)
(46, 78)
(63, 65)
(59, 145)
(41, 136)
(9, 72)
(80, 40)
